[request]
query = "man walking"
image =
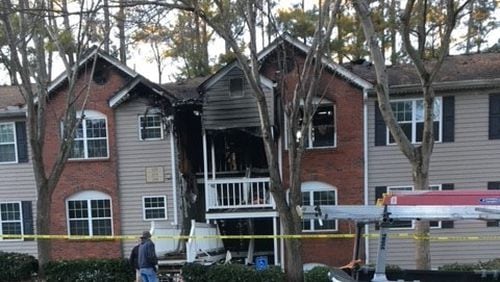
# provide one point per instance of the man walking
(147, 258)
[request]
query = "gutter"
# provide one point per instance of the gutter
(174, 173)
(365, 168)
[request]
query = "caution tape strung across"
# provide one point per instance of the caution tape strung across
(258, 237)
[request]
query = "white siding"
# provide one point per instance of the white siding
(17, 183)
(469, 162)
(134, 156)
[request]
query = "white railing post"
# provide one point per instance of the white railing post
(191, 243)
(238, 193)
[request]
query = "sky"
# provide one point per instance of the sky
(137, 59)
(149, 69)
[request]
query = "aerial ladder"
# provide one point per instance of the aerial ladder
(421, 205)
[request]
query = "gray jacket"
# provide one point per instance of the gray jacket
(147, 254)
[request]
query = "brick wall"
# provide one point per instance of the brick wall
(80, 175)
(341, 167)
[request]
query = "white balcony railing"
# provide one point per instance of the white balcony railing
(238, 193)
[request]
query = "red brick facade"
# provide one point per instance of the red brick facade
(340, 167)
(81, 175)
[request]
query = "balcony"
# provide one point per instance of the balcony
(238, 193)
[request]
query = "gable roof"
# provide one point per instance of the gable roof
(125, 92)
(11, 102)
(329, 64)
(224, 70)
(91, 53)
(336, 68)
(457, 72)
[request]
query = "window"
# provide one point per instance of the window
(89, 213)
(322, 131)
(317, 193)
(410, 116)
(410, 223)
(236, 87)
(155, 207)
(91, 139)
(151, 127)
(8, 143)
(11, 219)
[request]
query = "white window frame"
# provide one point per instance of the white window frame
(316, 186)
(89, 196)
(309, 144)
(415, 120)
(140, 128)
(13, 124)
(144, 208)
(20, 221)
(403, 188)
(90, 115)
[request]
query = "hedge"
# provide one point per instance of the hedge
(17, 267)
(105, 270)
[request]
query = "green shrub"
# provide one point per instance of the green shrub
(493, 264)
(458, 267)
(231, 272)
(16, 266)
(194, 272)
(89, 270)
(272, 274)
(317, 274)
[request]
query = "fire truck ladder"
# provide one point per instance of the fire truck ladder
(422, 205)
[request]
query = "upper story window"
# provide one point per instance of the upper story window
(151, 127)
(314, 194)
(322, 132)
(91, 137)
(11, 219)
(89, 213)
(155, 207)
(8, 143)
(410, 116)
(13, 142)
(236, 87)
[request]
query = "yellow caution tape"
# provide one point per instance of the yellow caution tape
(240, 237)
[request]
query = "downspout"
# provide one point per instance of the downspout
(282, 242)
(174, 173)
(365, 168)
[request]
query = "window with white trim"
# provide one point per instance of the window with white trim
(314, 194)
(8, 143)
(89, 213)
(11, 219)
(409, 114)
(322, 133)
(91, 137)
(407, 224)
(150, 127)
(154, 207)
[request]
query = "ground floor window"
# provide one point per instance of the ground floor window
(11, 220)
(89, 213)
(410, 223)
(322, 194)
(155, 207)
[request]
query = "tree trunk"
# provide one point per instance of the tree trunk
(43, 205)
(293, 249)
(422, 228)
(121, 29)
